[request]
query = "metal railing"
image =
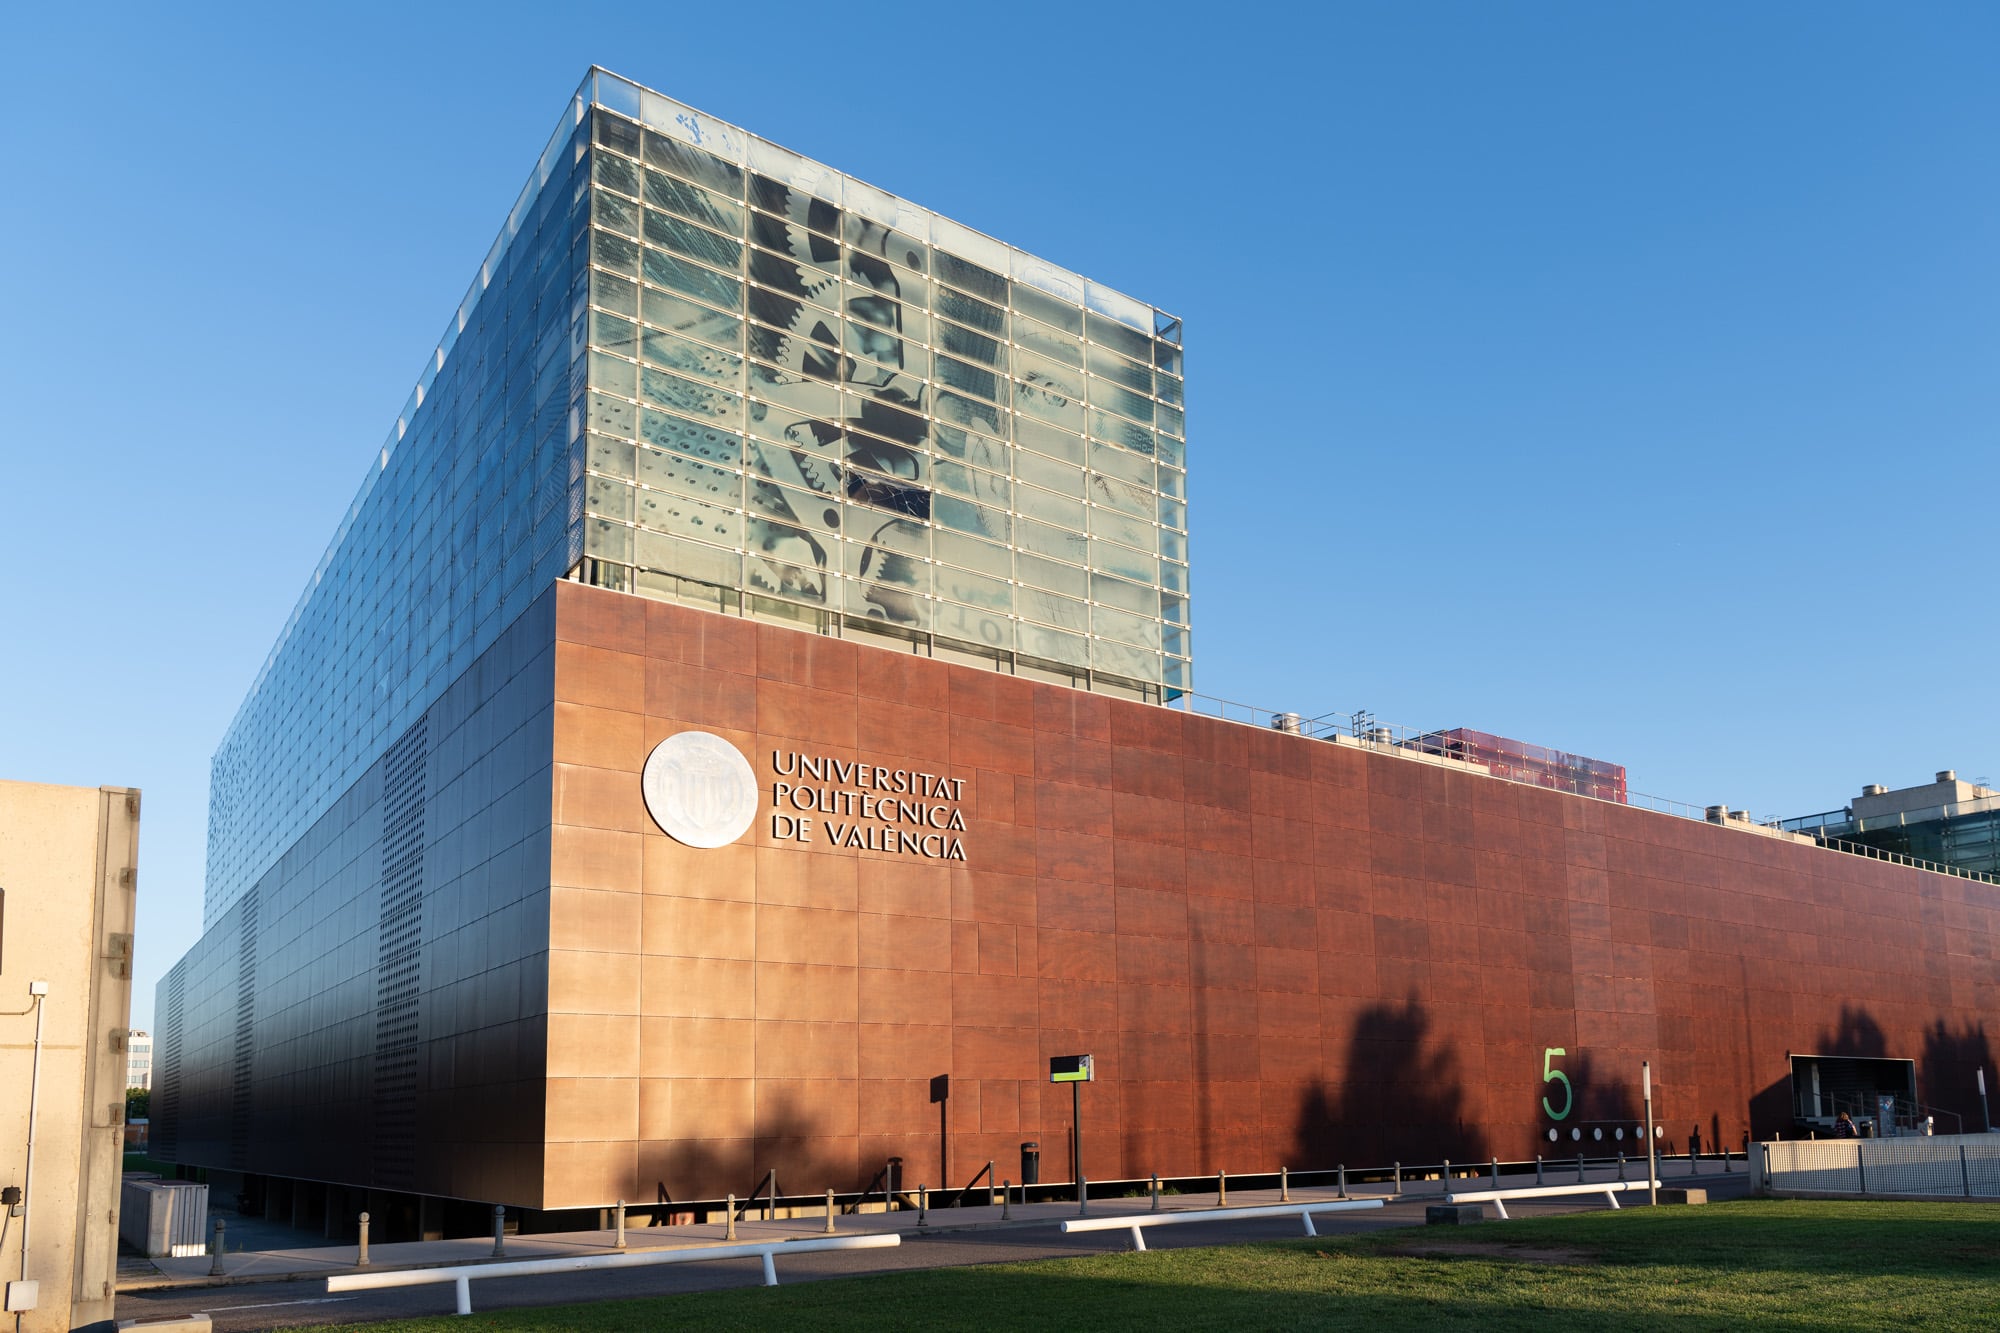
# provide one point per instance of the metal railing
(1898, 858)
(1363, 728)
(1962, 1166)
(1909, 1116)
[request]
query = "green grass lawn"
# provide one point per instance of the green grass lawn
(1751, 1264)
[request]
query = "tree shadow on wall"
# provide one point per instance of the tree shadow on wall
(1605, 1101)
(1857, 1034)
(1771, 1111)
(1949, 1074)
(1401, 1098)
(1774, 1112)
(1604, 1096)
(787, 1141)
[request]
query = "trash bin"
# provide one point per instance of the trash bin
(1031, 1164)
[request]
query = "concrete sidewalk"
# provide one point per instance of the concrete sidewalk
(322, 1261)
(312, 1261)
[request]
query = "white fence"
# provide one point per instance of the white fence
(1958, 1166)
(164, 1218)
(462, 1276)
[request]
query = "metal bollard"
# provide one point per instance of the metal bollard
(1343, 1180)
(1221, 1189)
(1399, 1177)
(923, 1205)
(1446, 1176)
(829, 1212)
(1284, 1184)
(1579, 1168)
(1538, 1168)
(1494, 1163)
(1156, 1191)
(361, 1250)
(1082, 1196)
(729, 1218)
(1621, 1166)
(215, 1250)
(499, 1230)
(1006, 1201)
(621, 1224)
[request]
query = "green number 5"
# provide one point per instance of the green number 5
(1550, 1074)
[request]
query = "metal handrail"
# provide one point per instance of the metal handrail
(1362, 728)
(882, 1182)
(771, 1200)
(985, 1173)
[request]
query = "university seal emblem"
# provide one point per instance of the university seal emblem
(700, 789)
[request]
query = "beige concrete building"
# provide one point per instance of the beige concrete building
(68, 881)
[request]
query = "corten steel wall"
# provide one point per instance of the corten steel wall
(1280, 950)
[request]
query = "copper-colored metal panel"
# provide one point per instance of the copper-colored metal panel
(593, 983)
(599, 676)
(593, 1108)
(581, 1045)
(600, 737)
(594, 920)
(1282, 951)
(697, 927)
(589, 858)
(675, 1048)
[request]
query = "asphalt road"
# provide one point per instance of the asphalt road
(249, 1306)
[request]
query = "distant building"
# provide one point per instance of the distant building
(67, 884)
(139, 1061)
(1949, 822)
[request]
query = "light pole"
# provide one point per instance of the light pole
(1652, 1165)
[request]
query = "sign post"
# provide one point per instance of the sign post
(1075, 1070)
(1652, 1163)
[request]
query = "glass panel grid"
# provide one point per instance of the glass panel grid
(902, 376)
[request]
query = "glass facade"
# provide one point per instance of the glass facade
(698, 367)
(808, 398)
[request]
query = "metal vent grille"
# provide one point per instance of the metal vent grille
(246, 1023)
(399, 958)
(166, 1110)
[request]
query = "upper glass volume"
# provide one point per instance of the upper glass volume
(698, 366)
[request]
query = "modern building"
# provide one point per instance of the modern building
(1949, 822)
(139, 1061)
(68, 884)
(748, 698)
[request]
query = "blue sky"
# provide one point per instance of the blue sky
(1621, 378)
